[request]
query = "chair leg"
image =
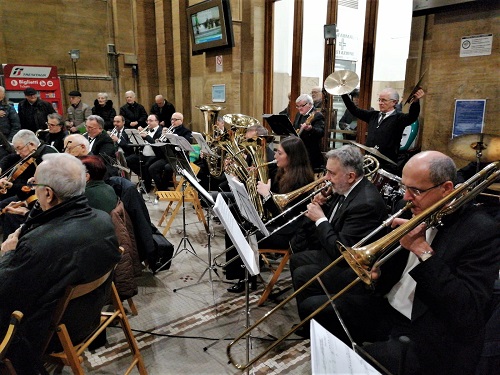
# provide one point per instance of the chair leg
(132, 307)
(72, 357)
(165, 213)
(171, 220)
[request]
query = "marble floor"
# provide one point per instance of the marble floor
(187, 318)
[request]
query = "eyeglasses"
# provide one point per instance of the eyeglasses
(175, 119)
(51, 125)
(416, 191)
(385, 100)
(301, 105)
(91, 127)
(21, 147)
(33, 185)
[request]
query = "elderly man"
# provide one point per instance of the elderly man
(385, 126)
(51, 252)
(134, 113)
(355, 210)
(100, 141)
(163, 109)
(436, 290)
(78, 112)
(317, 97)
(56, 132)
(310, 126)
(33, 111)
(76, 145)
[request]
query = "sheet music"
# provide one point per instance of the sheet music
(205, 148)
(194, 182)
(247, 254)
(179, 141)
(329, 355)
(135, 137)
(244, 204)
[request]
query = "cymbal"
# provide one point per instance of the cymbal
(466, 147)
(341, 82)
(373, 151)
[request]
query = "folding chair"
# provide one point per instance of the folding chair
(72, 353)
(276, 272)
(190, 195)
(5, 365)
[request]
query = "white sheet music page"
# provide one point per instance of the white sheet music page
(203, 144)
(244, 204)
(180, 141)
(329, 355)
(227, 219)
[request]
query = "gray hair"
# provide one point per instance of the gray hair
(349, 157)
(56, 116)
(261, 131)
(98, 119)
(104, 94)
(308, 98)
(393, 94)
(78, 139)
(26, 136)
(130, 92)
(442, 169)
(63, 173)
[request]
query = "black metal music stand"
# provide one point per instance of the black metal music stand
(138, 144)
(280, 124)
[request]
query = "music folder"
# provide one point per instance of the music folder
(280, 124)
(205, 148)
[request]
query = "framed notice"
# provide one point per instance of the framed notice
(469, 116)
(218, 93)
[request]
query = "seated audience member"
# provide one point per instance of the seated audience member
(99, 194)
(67, 243)
(435, 291)
(160, 170)
(100, 142)
(134, 113)
(317, 97)
(103, 107)
(163, 109)
(355, 210)
(310, 125)
(144, 157)
(76, 145)
(56, 132)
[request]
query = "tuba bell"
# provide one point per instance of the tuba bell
(215, 163)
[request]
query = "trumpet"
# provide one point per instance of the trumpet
(113, 132)
(362, 259)
(145, 130)
(164, 132)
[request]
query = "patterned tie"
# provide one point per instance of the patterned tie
(381, 118)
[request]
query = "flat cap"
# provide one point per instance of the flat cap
(75, 93)
(29, 91)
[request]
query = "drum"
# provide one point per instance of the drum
(389, 186)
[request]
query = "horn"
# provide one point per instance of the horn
(364, 258)
(370, 165)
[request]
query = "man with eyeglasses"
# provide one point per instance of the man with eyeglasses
(436, 290)
(160, 170)
(310, 126)
(100, 141)
(66, 243)
(55, 132)
(386, 126)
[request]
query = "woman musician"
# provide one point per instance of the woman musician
(293, 172)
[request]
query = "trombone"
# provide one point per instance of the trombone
(362, 259)
(281, 200)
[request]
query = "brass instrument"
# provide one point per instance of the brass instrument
(163, 137)
(285, 199)
(239, 124)
(210, 114)
(39, 131)
(145, 130)
(113, 132)
(370, 165)
(362, 259)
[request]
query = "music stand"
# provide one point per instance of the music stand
(280, 124)
(179, 162)
(138, 144)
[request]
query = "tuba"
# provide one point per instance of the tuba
(215, 163)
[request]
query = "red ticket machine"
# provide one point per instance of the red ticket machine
(44, 79)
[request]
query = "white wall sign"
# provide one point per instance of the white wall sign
(476, 45)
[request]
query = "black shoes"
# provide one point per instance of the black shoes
(239, 287)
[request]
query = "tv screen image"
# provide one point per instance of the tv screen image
(210, 25)
(206, 26)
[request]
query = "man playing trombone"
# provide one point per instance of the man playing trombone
(437, 292)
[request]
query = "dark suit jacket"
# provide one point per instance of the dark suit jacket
(361, 212)
(453, 290)
(134, 112)
(103, 144)
(386, 136)
(312, 138)
(124, 142)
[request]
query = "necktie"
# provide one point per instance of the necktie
(337, 206)
(381, 118)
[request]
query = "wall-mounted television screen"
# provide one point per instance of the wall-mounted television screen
(210, 25)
